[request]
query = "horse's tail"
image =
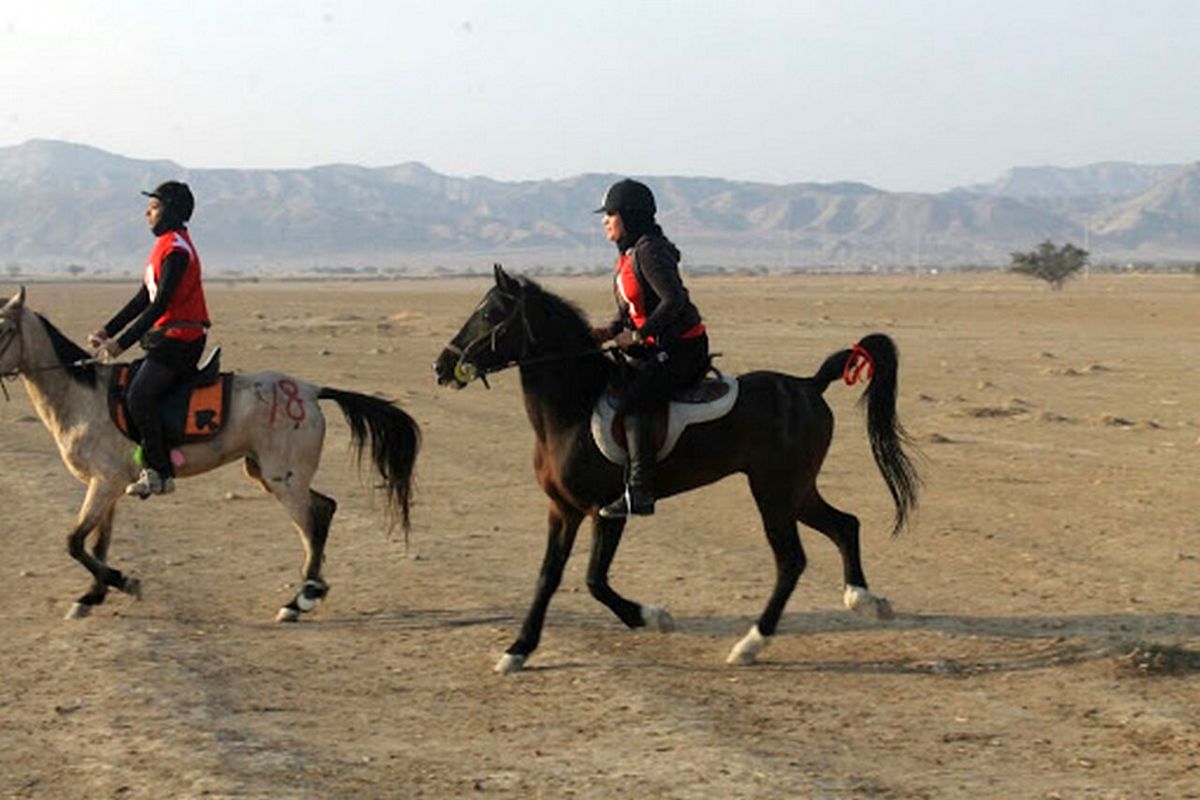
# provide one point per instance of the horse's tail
(395, 440)
(876, 355)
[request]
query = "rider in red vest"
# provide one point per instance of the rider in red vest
(656, 325)
(169, 317)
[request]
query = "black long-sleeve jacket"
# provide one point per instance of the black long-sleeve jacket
(669, 310)
(140, 310)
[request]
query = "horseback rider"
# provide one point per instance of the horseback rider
(656, 325)
(169, 317)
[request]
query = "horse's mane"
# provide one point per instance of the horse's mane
(68, 353)
(562, 315)
(574, 383)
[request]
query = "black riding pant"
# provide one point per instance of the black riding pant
(662, 372)
(166, 363)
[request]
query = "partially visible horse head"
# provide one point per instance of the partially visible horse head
(11, 348)
(20, 354)
(495, 336)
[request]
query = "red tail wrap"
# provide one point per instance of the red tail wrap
(858, 361)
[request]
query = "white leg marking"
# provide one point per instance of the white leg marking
(746, 651)
(287, 615)
(78, 611)
(865, 604)
(508, 664)
(658, 619)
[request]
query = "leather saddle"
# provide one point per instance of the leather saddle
(194, 410)
(711, 398)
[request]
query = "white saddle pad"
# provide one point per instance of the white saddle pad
(679, 416)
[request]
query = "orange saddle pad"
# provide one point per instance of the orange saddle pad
(192, 412)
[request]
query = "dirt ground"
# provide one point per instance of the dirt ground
(1046, 643)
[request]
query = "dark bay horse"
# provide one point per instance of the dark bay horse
(273, 424)
(777, 434)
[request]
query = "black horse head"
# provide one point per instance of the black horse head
(495, 336)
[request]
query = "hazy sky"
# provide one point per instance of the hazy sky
(915, 95)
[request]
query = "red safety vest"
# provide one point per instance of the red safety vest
(630, 290)
(187, 304)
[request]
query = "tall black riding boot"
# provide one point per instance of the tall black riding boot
(638, 498)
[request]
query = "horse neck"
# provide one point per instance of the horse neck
(560, 394)
(60, 400)
(563, 373)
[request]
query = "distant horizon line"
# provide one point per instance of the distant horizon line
(588, 173)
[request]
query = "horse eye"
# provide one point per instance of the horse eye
(494, 315)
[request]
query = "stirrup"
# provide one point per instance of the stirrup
(150, 482)
(633, 502)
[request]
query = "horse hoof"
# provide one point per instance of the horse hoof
(658, 618)
(133, 588)
(78, 611)
(746, 651)
(509, 663)
(865, 604)
(287, 614)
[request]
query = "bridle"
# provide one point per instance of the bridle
(465, 371)
(9, 336)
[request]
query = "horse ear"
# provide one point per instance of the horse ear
(504, 280)
(17, 300)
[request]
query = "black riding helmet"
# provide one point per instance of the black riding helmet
(628, 198)
(177, 202)
(635, 203)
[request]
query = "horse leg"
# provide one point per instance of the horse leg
(311, 512)
(606, 537)
(313, 532)
(563, 525)
(842, 529)
(96, 514)
(780, 525)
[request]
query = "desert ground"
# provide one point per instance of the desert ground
(1046, 642)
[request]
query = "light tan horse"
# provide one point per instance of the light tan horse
(273, 423)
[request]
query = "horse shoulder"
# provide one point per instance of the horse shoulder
(93, 449)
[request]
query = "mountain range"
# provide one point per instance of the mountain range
(69, 204)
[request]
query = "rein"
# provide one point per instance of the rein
(16, 371)
(525, 362)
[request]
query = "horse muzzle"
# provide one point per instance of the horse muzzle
(452, 371)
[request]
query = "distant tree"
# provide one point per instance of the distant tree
(1049, 263)
(76, 269)
(13, 268)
